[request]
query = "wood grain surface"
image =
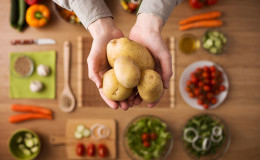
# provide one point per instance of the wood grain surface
(241, 61)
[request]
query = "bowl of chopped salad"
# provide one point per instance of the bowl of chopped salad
(205, 136)
(147, 138)
(66, 15)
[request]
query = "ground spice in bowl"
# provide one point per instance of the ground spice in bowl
(66, 101)
(23, 66)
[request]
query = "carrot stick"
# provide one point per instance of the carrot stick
(28, 116)
(28, 108)
(208, 23)
(199, 17)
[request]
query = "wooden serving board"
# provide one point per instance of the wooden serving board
(70, 141)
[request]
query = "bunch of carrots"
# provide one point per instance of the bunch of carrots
(35, 112)
(201, 20)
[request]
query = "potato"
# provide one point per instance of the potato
(150, 87)
(128, 48)
(127, 72)
(112, 89)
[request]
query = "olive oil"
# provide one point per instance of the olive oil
(189, 43)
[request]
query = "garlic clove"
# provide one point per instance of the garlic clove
(43, 70)
(36, 86)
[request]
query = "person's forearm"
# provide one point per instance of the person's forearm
(159, 8)
(150, 22)
(88, 11)
(101, 26)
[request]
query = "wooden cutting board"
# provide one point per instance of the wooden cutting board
(70, 141)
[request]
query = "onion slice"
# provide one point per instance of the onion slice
(191, 129)
(216, 140)
(206, 144)
(216, 131)
(100, 128)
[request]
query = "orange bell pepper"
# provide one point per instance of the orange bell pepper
(37, 15)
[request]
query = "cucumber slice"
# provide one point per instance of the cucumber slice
(35, 149)
(21, 146)
(78, 135)
(19, 140)
(218, 44)
(35, 141)
(213, 50)
(29, 142)
(28, 135)
(215, 34)
(80, 128)
(26, 152)
(208, 43)
(86, 132)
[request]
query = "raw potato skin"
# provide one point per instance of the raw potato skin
(128, 48)
(127, 72)
(150, 87)
(112, 89)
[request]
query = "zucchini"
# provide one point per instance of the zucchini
(78, 135)
(29, 142)
(35, 149)
(14, 13)
(28, 135)
(26, 152)
(35, 141)
(80, 128)
(22, 11)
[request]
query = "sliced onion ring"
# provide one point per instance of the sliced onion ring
(216, 140)
(206, 141)
(189, 130)
(196, 147)
(99, 127)
(103, 134)
(216, 131)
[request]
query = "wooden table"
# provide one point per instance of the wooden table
(241, 109)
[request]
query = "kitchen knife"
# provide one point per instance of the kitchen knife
(40, 41)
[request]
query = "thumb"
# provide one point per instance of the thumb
(166, 64)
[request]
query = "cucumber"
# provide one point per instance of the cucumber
(26, 152)
(22, 11)
(86, 132)
(14, 13)
(34, 149)
(80, 128)
(19, 140)
(213, 50)
(28, 135)
(21, 146)
(35, 141)
(78, 135)
(29, 142)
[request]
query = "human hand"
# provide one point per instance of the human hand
(147, 31)
(102, 31)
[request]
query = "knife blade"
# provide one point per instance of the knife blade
(39, 41)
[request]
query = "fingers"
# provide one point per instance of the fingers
(112, 104)
(93, 71)
(166, 65)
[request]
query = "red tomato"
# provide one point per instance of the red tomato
(211, 2)
(102, 150)
(153, 136)
(194, 80)
(217, 91)
(206, 81)
(206, 68)
(200, 84)
(146, 144)
(197, 91)
(205, 74)
(191, 95)
(189, 83)
(188, 89)
(210, 95)
(206, 88)
(31, 2)
(212, 68)
(80, 149)
(91, 151)
(132, 6)
(145, 137)
(213, 100)
(198, 70)
(213, 82)
(199, 101)
(205, 106)
(220, 79)
(222, 88)
(196, 4)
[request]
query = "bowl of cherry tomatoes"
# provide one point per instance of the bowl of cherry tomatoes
(204, 85)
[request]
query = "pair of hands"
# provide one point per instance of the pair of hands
(146, 31)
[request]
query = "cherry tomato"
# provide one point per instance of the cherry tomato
(31, 2)
(213, 82)
(210, 95)
(198, 70)
(206, 81)
(80, 149)
(188, 89)
(206, 88)
(211, 2)
(205, 74)
(189, 83)
(102, 150)
(153, 136)
(132, 6)
(217, 91)
(91, 151)
(146, 144)
(206, 69)
(212, 68)
(222, 88)
(205, 106)
(196, 4)
(145, 137)
(200, 84)
(197, 91)
(213, 100)
(194, 80)
(191, 95)
(199, 101)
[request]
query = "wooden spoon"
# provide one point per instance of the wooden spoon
(67, 100)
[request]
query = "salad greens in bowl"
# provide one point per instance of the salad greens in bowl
(147, 138)
(205, 136)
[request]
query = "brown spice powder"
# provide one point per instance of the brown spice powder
(23, 66)
(66, 101)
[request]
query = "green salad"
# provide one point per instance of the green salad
(203, 135)
(148, 138)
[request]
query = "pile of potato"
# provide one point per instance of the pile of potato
(132, 66)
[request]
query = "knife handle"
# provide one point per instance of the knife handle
(26, 41)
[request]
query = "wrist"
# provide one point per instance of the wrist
(101, 27)
(149, 22)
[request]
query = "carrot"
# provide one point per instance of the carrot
(199, 17)
(208, 23)
(28, 116)
(28, 108)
